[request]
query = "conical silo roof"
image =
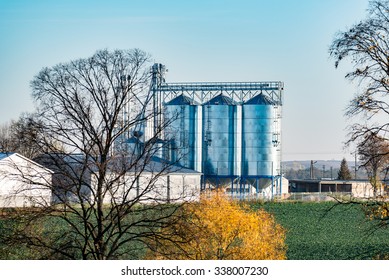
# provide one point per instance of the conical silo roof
(221, 100)
(260, 99)
(182, 100)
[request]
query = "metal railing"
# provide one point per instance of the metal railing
(311, 196)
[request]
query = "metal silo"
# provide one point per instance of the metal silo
(219, 140)
(261, 153)
(181, 115)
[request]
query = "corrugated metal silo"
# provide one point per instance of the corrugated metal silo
(219, 139)
(261, 155)
(182, 112)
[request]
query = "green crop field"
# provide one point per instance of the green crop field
(319, 231)
(314, 232)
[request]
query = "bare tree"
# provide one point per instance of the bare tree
(366, 45)
(5, 138)
(109, 199)
(21, 136)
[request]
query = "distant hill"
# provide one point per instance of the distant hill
(322, 169)
(298, 165)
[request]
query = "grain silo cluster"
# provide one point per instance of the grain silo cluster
(230, 132)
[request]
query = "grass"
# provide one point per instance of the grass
(57, 233)
(329, 231)
(315, 231)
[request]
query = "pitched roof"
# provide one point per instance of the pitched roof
(5, 155)
(157, 164)
(153, 164)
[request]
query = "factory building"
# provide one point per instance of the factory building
(323, 188)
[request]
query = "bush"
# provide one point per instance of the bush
(218, 228)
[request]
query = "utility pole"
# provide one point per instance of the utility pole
(355, 166)
(311, 169)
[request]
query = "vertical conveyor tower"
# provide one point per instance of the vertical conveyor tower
(157, 79)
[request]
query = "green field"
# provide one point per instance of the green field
(315, 231)
(319, 231)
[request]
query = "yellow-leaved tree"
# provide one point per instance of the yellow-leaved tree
(218, 228)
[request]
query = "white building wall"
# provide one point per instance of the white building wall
(364, 190)
(24, 183)
(173, 187)
(284, 185)
(184, 187)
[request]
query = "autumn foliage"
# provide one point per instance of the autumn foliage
(217, 228)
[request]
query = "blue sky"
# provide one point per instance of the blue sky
(202, 40)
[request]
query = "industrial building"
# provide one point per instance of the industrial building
(229, 132)
(322, 187)
(74, 179)
(157, 183)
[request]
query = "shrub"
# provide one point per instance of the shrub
(218, 228)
